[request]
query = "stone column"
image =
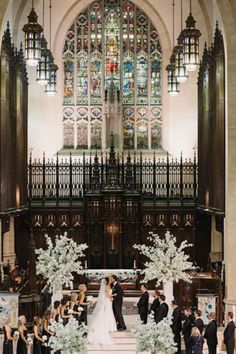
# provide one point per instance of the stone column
(216, 242)
(9, 244)
(1, 253)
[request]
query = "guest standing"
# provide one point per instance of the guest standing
(143, 304)
(64, 311)
(22, 343)
(211, 333)
(229, 333)
(196, 341)
(156, 303)
(8, 338)
(38, 341)
(74, 306)
(198, 322)
(176, 324)
(162, 311)
(83, 303)
(55, 312)
(187, 328)
(46, 332)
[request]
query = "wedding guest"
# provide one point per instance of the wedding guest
(229, 334)
(22, 343)
(143, 304)
(64, 311)
(74, 306)
(38, 341)
(198, 322)
(156, 303)
(83, 303)
(176, 325)
(46, 332)
(196, 341)
(211, 333)
(55, 312)
(162, 311)
(187, 328)
(8, 338)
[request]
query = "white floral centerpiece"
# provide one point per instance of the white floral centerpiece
(69, 338)
(57, 263)
(167, 262)
(155, 337)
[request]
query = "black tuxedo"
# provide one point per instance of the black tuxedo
(154, 307)
(199, 324)
(143, 306)
(177, 327)
(162, 312)
(229, 337)
(117, 305)
(187, 328)
(211, 336)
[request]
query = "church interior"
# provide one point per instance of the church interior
(126, 133)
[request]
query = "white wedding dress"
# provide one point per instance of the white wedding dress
(102, 320)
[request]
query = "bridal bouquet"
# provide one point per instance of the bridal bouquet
(155, 337)
(90, 300)
(57, 263)
(69, 338)
(167, 262)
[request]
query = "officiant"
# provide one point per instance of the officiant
(143, 304)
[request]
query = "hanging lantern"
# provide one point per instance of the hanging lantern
(51, 87)
(32, 39)
(173, 84)
(180, 68)
(43, 67)
(189, 38)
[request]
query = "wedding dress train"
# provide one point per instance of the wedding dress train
(102, 320)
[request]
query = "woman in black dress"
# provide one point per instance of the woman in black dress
(46, 332)
(64, 311)
(55, 312)
(74, 306)
(22, 343)
(83, 303)
(196, 341)
(38, 341)
(8, 338)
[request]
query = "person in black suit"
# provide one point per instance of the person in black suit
(187, 328)
(229, 333)
(211, 333)
(198, 322)
(162, 311)
(156, 303)
(176, 325)
(143, 304)
(117, 295)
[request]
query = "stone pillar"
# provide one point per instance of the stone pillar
(9, 244)
(216, 242)
(1, 253)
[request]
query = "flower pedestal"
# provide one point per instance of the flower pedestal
(168, 288)
(57, 294)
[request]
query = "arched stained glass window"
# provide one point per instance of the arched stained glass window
(112, 78)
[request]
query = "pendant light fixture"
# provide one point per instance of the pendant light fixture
(189, 37)
(51, 87)
(43, 67)
(180, 68)
(173, 84)
(32, 32)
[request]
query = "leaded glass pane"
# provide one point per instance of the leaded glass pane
(68, 135)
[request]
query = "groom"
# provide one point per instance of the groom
(117, 296)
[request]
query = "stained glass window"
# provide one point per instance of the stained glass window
(112, 77)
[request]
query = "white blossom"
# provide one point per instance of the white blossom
(69, 338)
(167, 262)
(155, 337)
(57, 263)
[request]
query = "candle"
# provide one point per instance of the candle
(234, 312)
(134, 263)
(85, 264)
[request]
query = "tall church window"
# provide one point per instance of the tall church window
(113, 72)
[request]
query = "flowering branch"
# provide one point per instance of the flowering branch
(57, 263)
(167, 261)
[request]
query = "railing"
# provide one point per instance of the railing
(72, 178)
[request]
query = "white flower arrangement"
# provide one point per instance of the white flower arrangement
(90, 298)
(70, 311)
(44, 338)
(16, 334)
(69, 338)
(29, 340)
(167, 261)
(57, 263)
(155, 337)
(80, 309)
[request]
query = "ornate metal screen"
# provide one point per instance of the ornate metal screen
(112, 78)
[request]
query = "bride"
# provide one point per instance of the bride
(102, 320)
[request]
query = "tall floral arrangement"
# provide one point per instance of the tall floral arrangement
(61, 258)
(167, 261)
(155, 337)
(69, 338)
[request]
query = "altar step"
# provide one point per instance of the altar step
(123, 342)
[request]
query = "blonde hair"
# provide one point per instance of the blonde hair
(82, 289)
(21, 320)
(74, 297)
(195, 332)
